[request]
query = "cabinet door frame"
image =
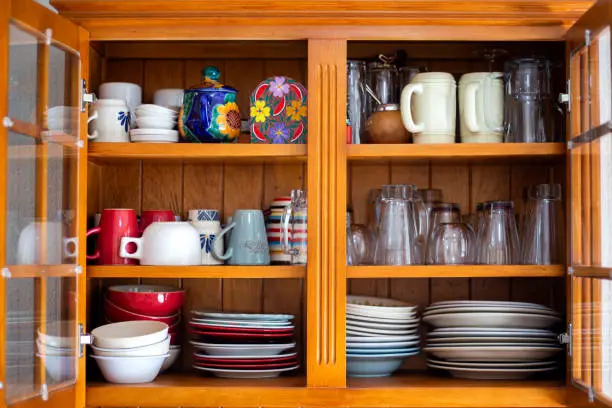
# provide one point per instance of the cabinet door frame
(56, 30)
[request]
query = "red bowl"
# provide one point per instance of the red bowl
(175, 338)
(150, 300)
(115, 313)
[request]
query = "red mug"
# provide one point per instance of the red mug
(115, 224)
(150, 216)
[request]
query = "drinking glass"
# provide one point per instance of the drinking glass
(497, 242)
(362, 244)
(397, 242)
(542, 239)
(374, 204)
(430, 197)
(452, 244)
(382, 79)
(440, 213)
(356, 99)
(351, 256)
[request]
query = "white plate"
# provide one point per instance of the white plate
(501, 320)
(350, 332)
(492, 373)
(239, 326)
(357, 323)
(488, 309)
(377, 303)
(154, 136)
(509, 330)
(368, 330)
(461, 345)
(380, 339)
(487, 339)
(245, 357)
(497, 333)
(242, 349)
(243, 316)
(244, 323)
(493, 365)
(225, 373)
(497, 354)
(449, 303)
(383, 345)
(408, 318)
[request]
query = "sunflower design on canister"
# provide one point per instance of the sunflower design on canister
(228, 119)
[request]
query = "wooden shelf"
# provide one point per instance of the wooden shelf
(418, 390)
(236, 152)
(456, 271)
(221, 271)
(457, 151)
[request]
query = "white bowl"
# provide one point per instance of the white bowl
(125, 335)
(152, 122)
(169, 97)
(174, 352)
(59, 368)
(151, 350)
(382, 365)
(156, 110)
(54, 351)
(54, 331)
(130, 370)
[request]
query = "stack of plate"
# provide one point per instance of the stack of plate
(491, 340)
(232, 345)
(380, 334)
(155, 124)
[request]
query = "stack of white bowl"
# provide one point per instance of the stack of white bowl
(156, 124)
(380, 334)
(57, 350)
(131, 352)
(492, 340)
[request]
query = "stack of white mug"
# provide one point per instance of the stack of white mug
(113, 114)
(428, 106)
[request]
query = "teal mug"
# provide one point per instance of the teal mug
(248, 243)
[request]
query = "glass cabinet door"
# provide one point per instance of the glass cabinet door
(590, 160)
(40, 254)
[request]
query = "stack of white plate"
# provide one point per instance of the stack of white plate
(155, 124)
(233, 345)
(492, 340)
(380, 334)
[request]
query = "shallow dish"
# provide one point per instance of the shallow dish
(249, 336)
(488, 309)
(451, 303)
(149, 300)
(154, 136)
(483, 332)
(151, 350)
(260, 324)
(207, 327)
(500, 320)
(493, 365)
(130, 370)
(492, 373)
(243, 316)
(385, 326)
(131, 334)
(245, 359)
(226, 373)
(380, 339)
(383, 345)
(408, 318)
(242, 349)
(494, 353)
(489, 339)
(248, 366)
(377, 303)
(382, 351)
(362, 333)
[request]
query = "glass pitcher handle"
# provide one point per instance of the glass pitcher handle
(284, 230)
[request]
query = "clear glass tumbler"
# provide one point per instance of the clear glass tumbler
(497, 242)
(440, 213)
(452, 244)
(362, 244)
(351, 256)
(543, 232)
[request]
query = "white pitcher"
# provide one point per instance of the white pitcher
(481, 107)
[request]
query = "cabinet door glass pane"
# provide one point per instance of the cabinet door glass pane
(63, 110)
(23, 74)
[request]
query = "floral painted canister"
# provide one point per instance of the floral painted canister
(210, 113)
(279, 110)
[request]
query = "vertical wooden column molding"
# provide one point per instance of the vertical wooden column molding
(326, 286)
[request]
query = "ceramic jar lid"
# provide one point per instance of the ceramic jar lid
(434, 77)
(211, 82)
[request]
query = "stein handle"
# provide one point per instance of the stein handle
(95, 132)
(406, 105)
(230, 251)
(471, 120)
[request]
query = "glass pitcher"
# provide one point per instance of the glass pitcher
(294, 227)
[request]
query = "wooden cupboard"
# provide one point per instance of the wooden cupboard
(160, 44)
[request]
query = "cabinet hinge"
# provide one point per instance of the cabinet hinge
(591, 395)
(85, 339)
(44, 392)
(570, 269)
(587, 37)
(566, 338)
(86, 98)
(5, 273)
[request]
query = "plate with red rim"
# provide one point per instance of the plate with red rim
(229, 373)
(249, 360)
(208, 333)
(208, 327)
(256, 366)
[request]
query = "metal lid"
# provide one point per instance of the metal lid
(387, 107)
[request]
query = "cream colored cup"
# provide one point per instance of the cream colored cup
(112, 121)
(481, 107)
(428, 106)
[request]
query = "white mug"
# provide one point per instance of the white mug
(481, 107)
(165, 243)
(208, 231)
(169, 98)
(130, 93)
(112, 121)
(429, 106)
(57, 247)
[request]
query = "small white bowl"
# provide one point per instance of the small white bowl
(126, 335)
(54, 351)
(151, 350)
(53, 334)
(59, 368)
(155, 110)
(152, 122)
(130, 370)
(174, 352)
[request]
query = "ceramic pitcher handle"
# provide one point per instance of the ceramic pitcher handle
(95, 132)
(125, 241)
(471, 120)
(406, 110)
(490, 119)
(96, 254)
(230, 251)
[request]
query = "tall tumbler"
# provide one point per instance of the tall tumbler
(382, 79)
(542, 232)
(356, 99)
(351, 255)
(498, 242)
(431, 197)
(440, 213)
(397, 242)
(452, 244)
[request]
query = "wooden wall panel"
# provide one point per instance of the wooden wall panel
(159, 74)
(126, 70)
